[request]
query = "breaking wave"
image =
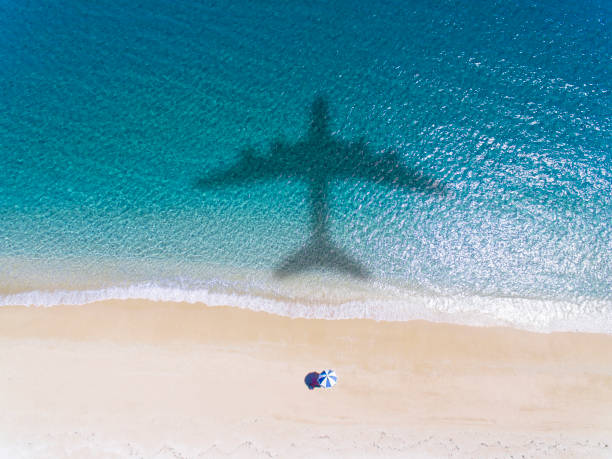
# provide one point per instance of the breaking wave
(539, 315)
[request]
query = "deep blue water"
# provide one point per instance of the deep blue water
(111, 112)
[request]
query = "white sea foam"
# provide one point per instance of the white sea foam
(592, 316)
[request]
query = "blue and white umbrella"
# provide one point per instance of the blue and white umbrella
(327, 378)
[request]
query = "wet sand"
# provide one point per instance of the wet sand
(144, 379)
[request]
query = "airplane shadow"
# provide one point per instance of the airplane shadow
(319, 158)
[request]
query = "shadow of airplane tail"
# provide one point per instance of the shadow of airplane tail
(320, 253)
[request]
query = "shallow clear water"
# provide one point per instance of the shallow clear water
(111, 113)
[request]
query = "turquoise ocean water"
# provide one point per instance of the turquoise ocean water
(113, 116)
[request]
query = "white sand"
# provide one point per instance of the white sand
(140, 379)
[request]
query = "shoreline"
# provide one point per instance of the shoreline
(527, 314)
(191, 378)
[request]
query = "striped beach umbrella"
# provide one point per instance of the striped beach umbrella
(327, 378)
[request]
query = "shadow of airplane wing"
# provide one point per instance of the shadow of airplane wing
(320, 253)
(387, 169)
(252, 167)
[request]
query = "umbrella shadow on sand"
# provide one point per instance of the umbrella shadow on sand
(312, 380)
(318, 159)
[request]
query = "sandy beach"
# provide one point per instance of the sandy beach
(164, 380)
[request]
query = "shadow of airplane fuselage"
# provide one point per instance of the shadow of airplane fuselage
(318, 159)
